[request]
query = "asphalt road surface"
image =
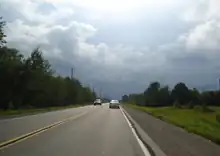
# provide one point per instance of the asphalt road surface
(172, 140)
(90, 131)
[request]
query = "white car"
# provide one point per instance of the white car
(97, 102)
(114, 104)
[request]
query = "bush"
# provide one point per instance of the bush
(198, 107)
(176, 104)
(218, 117)
(203, 108)
(27, 107)
(206, 109)
(11, 105)
(190, 105)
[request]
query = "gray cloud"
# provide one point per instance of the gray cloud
(120, 56)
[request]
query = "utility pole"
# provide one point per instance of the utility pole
(71, 73)
(92, 87)
(219, 84)
(93, 91)
(100, 93)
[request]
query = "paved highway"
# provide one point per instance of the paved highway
(89, 131)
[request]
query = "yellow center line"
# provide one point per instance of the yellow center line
(10, 142)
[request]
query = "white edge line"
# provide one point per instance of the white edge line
(144, 149)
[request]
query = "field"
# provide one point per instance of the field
(193, 120)
(8, 113)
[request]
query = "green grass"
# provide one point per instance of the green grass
(33, 110)
(202, 123)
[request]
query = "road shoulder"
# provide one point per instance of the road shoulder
(170, 139)
(34, 111)
(152, 147)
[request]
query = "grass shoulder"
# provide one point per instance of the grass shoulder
(21, 112)
(206, 124)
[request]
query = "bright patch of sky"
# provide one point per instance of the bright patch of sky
(120, 46)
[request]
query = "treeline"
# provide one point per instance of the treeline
(27, 82)
(180, 96)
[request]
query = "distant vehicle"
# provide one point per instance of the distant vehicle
(114, 104)
(97, 102)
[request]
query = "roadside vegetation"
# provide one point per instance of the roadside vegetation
(30, 111)
(197, 112)
(28, 83)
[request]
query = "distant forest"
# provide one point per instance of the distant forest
(29, 82)
(181, 96)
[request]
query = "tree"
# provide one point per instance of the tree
(164, 96)
(154, 95)
(195, 96)
(139, 98)
(30, 83)
(11, 69)
(151, 94)
(2, 35)
(124, 98)
(181, 93)
(39, 74)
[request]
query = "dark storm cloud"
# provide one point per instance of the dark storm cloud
(119, 56)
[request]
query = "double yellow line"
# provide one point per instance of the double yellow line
(38, 131)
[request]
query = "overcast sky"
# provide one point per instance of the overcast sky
(120, 46)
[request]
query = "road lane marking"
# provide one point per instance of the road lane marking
(36, 132)
(144, 149)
